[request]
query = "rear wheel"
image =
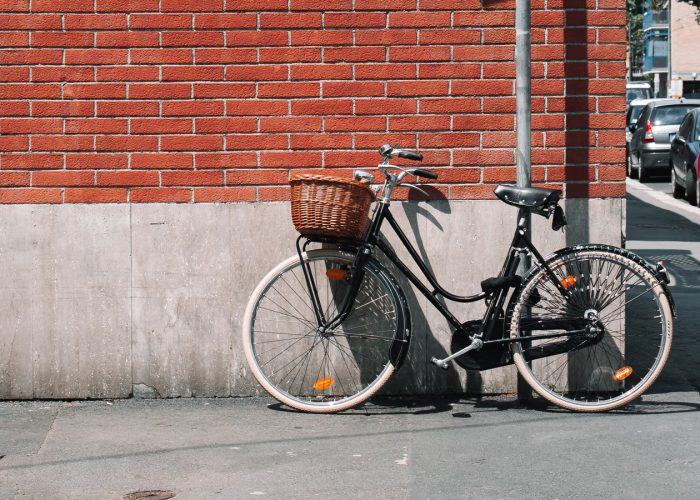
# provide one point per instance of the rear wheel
(615, 328)
(631, 172)
(691, 187)
(323, 371)
(642, 172)
(678, 190)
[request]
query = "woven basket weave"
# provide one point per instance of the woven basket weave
(330, 206)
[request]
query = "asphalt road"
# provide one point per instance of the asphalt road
(423, 448)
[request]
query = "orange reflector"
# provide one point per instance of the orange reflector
(323, 383)
(568, 282)
(336, 274)
(622, 373)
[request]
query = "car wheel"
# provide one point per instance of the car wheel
(630, 169)
(678, 191)
(643, 174)
(691, 187)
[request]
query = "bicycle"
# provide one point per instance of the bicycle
(589, 328)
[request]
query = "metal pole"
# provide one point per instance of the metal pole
(523, 109)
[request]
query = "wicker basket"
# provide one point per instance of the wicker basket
(330, 206)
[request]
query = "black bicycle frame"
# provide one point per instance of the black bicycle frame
(495, 300)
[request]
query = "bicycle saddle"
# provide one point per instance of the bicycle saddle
(527, 197)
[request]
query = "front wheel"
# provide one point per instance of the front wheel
(678, 190)
(313, 369)
(594, 334)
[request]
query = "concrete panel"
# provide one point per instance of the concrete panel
(69, 305)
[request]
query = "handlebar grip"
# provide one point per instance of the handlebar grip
(411, 155)
(428, 174)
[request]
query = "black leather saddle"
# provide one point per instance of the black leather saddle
(528, 197)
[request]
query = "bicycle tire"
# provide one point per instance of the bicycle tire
(599, 371)
(307, 370)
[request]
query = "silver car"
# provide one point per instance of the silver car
(650, 144)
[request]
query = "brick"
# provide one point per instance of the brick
(431, 54)
(62, 39)
(127, 108)
(127, 74)
(417, 88)
(32, 56)
(30, 91)
(256, 5)
(225, 160)
(224, 194)
(95, 195)
(227, 56)
(291, 124)
(93, 22)
(60, 178)
(192, 38)
(497, 36)
(293, 20)
(291, 54)
(317, 37)
(499, 175)
(385, 106)
(62, 5)
(14, 39)
(256, 107)
(96, 56)
(499, 105)
(160, 21)
(226, 90)
(31, 161)
(161, 126)
(320, 72)
(354, 20)
(276, 193)
(62, 74)
(191, 143)
(63, 108)
(159, 90)
(419, 19)
(192, 178)
(14, 5)
(603, 190)
(354, 54)
(125, 6)
(225, 125)
(383, 71)
(449, 71)
(385, 4)
(353, 89)
(94, 91)
(14, 179)
(354, 123)
(290, 159)
(225, 21)
(85, 161)
(256, 142)
(96, 126)
(449, 140)
(257, 73)
(321, 5)
(450, 105)
(321, 141)
(14, 108)
(450, 4)
(459, 175)
(256, 38)
(472, 192)
(477, 53)
(160, 195)
(9, 126)
(350, 158)
(126, 39)
(193, 108)
(322, 107)
(483, 122)
(191, 5)
(14, 143)
(30, 195)
(483, 87)
(471, 19)
(62, 143)
(256, 177)
(161, 56)
(419, 122)
(125, 143)
(30, 22)
(449, 37)
(127, 178)
(160, 161)
(483, 157)
(14, 74)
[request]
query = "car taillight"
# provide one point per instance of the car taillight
(648, 133)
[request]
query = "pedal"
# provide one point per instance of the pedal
(440, 363)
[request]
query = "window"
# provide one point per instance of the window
(670, 115)
(686, 126)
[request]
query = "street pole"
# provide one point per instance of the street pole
(523, 108)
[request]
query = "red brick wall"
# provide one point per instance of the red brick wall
(216, 100)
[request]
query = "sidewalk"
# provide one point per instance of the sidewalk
(459, 448)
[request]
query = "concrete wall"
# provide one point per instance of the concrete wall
(104, 301)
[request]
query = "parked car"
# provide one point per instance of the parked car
(650, 145)
(638, 90)
(685, 158)
(634, 108)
